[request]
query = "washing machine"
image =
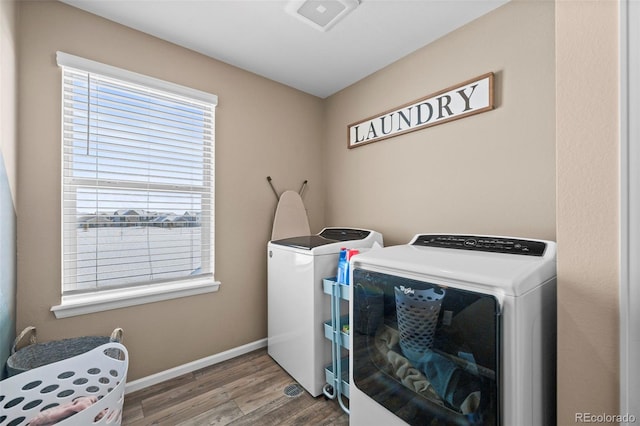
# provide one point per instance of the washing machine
(297, 305)
(454, 330)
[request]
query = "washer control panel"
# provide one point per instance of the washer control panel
(344, 234)
(481, 243)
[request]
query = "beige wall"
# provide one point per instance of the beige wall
(587, 215)
(262, 128)
(492, 173)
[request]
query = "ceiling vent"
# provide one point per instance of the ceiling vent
(321, 14)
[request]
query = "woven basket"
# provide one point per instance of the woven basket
(38, 354)
(100, 374)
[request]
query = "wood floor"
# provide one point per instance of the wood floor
(247, 390)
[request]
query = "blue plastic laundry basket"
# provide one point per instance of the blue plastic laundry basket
(417, 313)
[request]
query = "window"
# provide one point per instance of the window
(137, 186)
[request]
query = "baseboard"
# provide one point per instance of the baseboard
(162, 376)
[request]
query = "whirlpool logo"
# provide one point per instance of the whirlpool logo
(407, 290)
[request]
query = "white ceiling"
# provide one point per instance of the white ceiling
(259, 36)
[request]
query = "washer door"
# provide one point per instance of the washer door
(425, 352)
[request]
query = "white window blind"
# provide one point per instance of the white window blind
(137, 179)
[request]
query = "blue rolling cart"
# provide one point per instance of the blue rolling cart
(337, 373)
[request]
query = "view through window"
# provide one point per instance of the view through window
(137, 184)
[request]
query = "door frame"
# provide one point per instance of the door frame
(629, 98)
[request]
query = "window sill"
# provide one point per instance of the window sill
(82, 304)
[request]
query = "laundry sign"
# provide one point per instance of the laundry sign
(465, 99)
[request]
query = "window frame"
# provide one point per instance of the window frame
(72, 303)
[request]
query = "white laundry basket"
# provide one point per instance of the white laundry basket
(99, 373)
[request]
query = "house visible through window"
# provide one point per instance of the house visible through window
(137, 180)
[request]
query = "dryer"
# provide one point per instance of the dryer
(297, 305)
(454, 330)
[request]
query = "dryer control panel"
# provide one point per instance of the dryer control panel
(481, 243)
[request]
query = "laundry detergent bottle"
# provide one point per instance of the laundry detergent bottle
(350, 253)
(343, 267)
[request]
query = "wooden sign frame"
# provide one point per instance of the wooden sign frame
(471, 97)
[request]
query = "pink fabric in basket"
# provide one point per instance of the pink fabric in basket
(61, 412)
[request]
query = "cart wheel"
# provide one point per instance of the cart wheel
(328, 390)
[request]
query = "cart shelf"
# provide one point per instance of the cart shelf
(342, 289)
(344, 337)
(344, 383)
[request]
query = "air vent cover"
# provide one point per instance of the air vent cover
(321, 14)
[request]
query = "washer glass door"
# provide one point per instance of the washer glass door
(427, 353)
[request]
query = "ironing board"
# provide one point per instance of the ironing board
(291, 217)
